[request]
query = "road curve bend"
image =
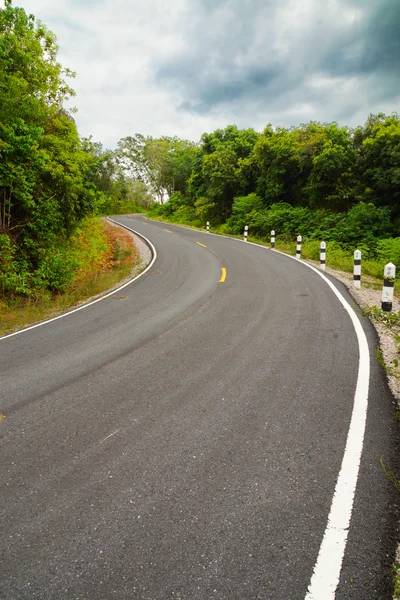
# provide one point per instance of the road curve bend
(183, 438)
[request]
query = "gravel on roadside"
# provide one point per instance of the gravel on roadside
(143, 250)
(367, 297)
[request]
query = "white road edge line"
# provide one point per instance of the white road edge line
(327, 569)
(326, 574)
(70, 312)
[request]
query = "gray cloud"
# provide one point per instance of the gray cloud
(223, 59)
(372, 46)
(238, 86)
(262, 52)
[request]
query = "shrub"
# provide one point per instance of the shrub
(365, 223)
(389, 251)
(244, 209)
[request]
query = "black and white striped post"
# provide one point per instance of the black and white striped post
(246, 232)
(272, 239)
(298, 247)
(322, 256)
(388, 287)
(208, 226)
(357, 269)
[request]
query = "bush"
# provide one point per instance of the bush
(55, 266)
(389, 251)
(243, 210)
(13, 274)
(365, 223)
(186, 215)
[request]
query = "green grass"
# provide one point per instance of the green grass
(396, 580)
(101, 261)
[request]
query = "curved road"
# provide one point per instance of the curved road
(182, 438)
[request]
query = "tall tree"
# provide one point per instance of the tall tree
(378, 145)
(45, 185)
(162, 164)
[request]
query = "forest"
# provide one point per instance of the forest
(320, 180)
(317, 180)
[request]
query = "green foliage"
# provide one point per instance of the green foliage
(364, 223)
(31, 79)
(118, 193)
(177, 210)
(163, 165)
(244, 210)
(46, 173)
(317, 180)
(388, 250)
(55, 266)
(222, 167)
(206, 210)
(378, 145)
(10, 279)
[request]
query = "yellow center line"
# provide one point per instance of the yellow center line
(108, 437)
(223, 275)
(201, 244)
(167, 230)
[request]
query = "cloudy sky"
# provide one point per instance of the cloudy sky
(182, 67)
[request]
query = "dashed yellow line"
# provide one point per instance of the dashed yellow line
(223, 275)
(201, 244)
(108, 437)
(167, 230)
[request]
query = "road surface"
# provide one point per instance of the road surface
(182, 438)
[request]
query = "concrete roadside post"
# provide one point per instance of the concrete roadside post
(246, 232)
(357, 269)
(322, 256)
(272, 240)
(208, 226)
(298, 247)
(388, 287)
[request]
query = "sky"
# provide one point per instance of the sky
(185, 67)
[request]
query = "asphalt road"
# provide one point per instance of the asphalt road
(182, 439)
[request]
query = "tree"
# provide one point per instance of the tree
(219, 171)
(162, 164)
(32, 82)
(312, 165)
(378, 145)
(46, 183)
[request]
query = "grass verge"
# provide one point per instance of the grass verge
(104, 255)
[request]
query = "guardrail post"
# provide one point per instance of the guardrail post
(208, 226)
(322, 256)
(388, 287)
(357, 269)
(298, 247)
(272, 239)
(246, 232)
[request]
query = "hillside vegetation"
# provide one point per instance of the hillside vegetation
(51, 180)
(321, 181)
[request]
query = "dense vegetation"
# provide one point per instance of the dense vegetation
(318, 180)
(50, 179)
(321, 181)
